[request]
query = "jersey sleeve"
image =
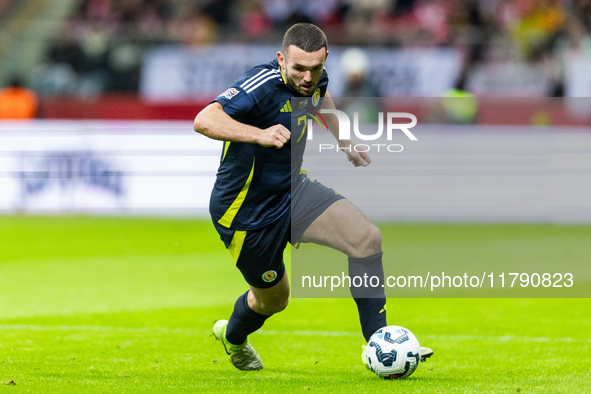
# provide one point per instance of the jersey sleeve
(235, 102)
(246, 92)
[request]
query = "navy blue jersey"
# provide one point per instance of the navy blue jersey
(253, 183)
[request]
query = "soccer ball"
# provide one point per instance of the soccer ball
(393, 352)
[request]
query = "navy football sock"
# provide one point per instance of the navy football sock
(371, 301)
(244, 321)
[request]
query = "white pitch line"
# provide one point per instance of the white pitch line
(309, 333)
(505, 338)
(305, 333)
(164, 330)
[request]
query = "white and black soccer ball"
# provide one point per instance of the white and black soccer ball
(393, 352)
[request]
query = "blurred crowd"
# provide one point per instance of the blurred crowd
(102, 46)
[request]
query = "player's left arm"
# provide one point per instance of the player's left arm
(348, 146)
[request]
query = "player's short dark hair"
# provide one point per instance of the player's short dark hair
(305, 36)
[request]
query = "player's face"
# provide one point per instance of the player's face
(302, 70)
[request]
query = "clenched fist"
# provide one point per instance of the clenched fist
(275, 136)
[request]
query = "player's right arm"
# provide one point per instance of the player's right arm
(214, 123)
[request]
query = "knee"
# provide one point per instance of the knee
(271, 307)
(369, 242)
(270, 303)
(373, 240)
(280, 305)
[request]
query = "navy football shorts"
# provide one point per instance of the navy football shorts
(259, 253)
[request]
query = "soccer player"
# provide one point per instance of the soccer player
(253, 206)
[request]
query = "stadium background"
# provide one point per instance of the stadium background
(110, 272)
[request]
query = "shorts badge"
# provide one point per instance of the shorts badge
(269, 276)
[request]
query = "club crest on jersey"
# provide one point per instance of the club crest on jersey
(229, 93)
(316, 97)
(269, 276)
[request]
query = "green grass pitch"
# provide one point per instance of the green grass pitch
(127, 305)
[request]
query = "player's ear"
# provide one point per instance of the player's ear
(325, 56)
(281, 59)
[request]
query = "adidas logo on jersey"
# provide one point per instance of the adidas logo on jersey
(286, 107)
